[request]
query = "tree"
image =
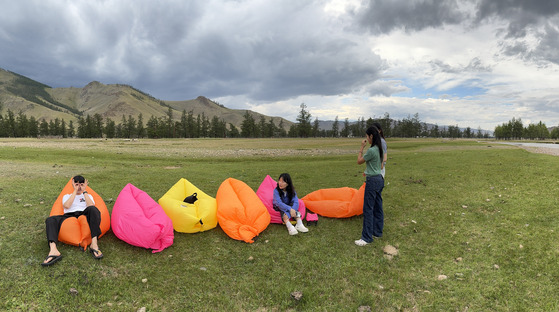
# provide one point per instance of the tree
(97, 126)
(304, 122)
(454, 132)
(517, 128)
(81, 127)
(434, 132)
(44, 128)
(281, 131)
(34, 127)
(22, 129)
(270, 129)
(130, 127)
(262, 127)
(315, 128)
(233, 131)
(345, 131)
(358, 128)
(63, 130)
(140, 130)
(170, 124)
(205, 129)
(191, 126)
(183, 129)
(218, 128)
(151, 127)
(248, 126)
(479, 133)
(468, 133)
(110, 128)
(335, 128)
(71, 129)
(386, 125)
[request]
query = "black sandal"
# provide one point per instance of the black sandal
(51, 262)
(94, 252)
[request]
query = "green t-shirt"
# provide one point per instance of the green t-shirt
(372, 161)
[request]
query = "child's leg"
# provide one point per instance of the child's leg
(290, 228)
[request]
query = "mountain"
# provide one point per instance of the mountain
(21, 94)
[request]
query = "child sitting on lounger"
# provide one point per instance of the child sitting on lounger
(286, 202)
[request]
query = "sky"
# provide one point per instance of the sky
(470, 63)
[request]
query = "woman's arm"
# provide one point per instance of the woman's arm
(360, 159)
(277, 202)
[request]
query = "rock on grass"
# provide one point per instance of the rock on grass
(390, 252)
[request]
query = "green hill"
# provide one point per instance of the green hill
(21, 94)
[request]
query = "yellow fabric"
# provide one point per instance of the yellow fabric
(189, 218)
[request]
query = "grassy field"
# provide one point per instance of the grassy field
(474, 224)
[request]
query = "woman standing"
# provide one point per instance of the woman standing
(373, 216)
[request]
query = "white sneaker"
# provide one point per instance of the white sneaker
(292, 230)
(361, 242)
(301, 228)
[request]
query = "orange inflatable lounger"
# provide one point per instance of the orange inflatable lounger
(343, 202)
(75, 231)
(240, 213)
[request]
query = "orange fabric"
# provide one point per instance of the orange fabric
(240, 212)
(76, 231)
(343, 202)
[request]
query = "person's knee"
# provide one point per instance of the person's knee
(93, 210)
(50, 220)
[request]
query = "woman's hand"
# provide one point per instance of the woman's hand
(363, 143)
(293, 213)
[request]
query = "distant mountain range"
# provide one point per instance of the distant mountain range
(21, 94)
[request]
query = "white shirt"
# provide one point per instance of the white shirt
(78, 204)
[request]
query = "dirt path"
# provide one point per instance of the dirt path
(542, 150)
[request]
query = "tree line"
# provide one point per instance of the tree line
(515, 130)
(201, 126)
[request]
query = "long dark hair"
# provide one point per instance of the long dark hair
(376, 124)
(372, 130)
(289, 189)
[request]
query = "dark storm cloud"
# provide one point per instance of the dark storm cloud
(520, 13)
(380, 16)
(72, 43)
(184, 49)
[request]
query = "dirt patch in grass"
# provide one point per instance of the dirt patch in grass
(178, 148)
(542, 150)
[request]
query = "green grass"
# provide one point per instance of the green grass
(483, 214)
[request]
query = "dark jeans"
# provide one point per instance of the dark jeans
(276, 208)
(373, 215)
(91, 213)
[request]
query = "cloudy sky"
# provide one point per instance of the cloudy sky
(471, 63)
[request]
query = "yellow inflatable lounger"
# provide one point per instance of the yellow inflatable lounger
(199, 216)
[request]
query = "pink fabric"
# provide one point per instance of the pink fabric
(312, 216)
(140, 221)
(266, 194)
